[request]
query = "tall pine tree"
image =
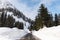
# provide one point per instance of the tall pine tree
(56, 19)
(9, 21)
(41, 19)
(59, 19)
(44, 15)
(3, 18)
(50, 21)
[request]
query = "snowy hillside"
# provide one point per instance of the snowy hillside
(52, 33)
(9, 9)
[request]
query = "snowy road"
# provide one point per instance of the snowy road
(29, 36)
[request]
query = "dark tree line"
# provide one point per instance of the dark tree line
(9, 21)
(44, 18)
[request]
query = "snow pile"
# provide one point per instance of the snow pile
(4, 38)
(4, 29)
(52, 33)
(11, 34)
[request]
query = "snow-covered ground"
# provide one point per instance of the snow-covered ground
(52, 33)
(11, 33)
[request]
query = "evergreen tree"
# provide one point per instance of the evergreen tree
(9, 21)
(44, 15)
(59, 19)
(56, 19)
(38, 24)
(41, 19)
(2, 19)
(50, 21)
(5, 17)
(19, 25)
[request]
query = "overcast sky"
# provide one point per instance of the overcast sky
(30, 7)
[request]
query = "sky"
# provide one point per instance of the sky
(30, 7)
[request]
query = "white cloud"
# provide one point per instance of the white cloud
(47, 2)
(35, 0)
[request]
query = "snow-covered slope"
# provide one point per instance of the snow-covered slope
(7, 7)
(11, 33)
(52, 33)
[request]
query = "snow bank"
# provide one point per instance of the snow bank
(4, 38)
(12, 34)
(4, 29)
(52, 33)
